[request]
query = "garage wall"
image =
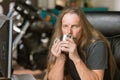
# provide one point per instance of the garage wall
(113, 5)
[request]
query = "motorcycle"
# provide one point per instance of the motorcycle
(31, 37)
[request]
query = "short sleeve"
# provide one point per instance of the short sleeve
(97, 56)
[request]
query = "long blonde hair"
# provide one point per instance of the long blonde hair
(90, 35)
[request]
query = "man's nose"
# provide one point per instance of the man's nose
(70, 31)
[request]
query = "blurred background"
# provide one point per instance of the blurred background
(33, 25)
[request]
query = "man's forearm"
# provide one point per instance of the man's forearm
(85, 73)
(57, 71)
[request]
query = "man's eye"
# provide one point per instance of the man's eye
(64, 25)
(75, 26)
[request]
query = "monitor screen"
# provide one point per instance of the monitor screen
(5, 46)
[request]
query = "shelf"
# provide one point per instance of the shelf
(95, 9)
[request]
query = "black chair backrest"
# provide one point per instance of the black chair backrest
(109, 24)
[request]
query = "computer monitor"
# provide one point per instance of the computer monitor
(5, 46)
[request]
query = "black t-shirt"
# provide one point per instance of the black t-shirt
(97, 58)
